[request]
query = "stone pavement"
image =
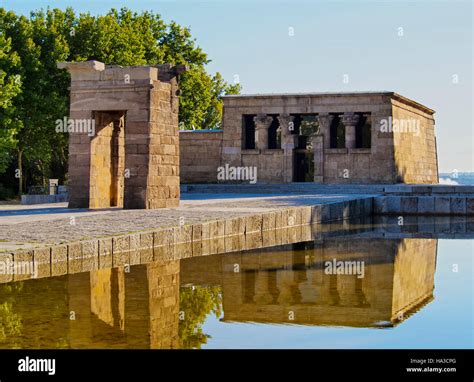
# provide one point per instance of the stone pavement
(25, 227)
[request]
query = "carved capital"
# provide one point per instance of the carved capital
(325, 120)
(286, 123)
(350, 119)
(262, 121)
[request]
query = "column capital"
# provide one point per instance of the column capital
(350, 119)
(285, 121)
(262, 121)
(285, 117)
(325, 119)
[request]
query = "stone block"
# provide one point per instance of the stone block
(393, 204)
(74, 258)
(409, 205)
(336, 211)
(6, 267)
(380, 205)
(134, 249)
(325, 213)
(42, 261)
(442, 205)
(59, 263)
(426, 205)
(105, 253)
(197, 232)
(120, 251)
(146, 247)
(183, 234)
(458, 205)
(253, 223)
(470, 205)
(268, 221)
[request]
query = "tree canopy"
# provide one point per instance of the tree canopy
(33, 92)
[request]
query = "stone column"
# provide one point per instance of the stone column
(318, 152)
(288, 143)
(346, 288)
(350, 121)
(262, 124)
(262, 291)
(325, 121)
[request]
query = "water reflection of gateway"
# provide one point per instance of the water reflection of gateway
(288, 285)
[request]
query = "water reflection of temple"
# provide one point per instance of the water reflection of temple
(146, 308)
(289, 285)
(107, 308)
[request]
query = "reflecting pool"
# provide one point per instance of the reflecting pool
(348, 291)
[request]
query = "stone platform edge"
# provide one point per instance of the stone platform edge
(211, 237)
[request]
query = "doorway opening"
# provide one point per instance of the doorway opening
(107, 160)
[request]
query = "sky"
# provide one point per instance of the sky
(420, 49)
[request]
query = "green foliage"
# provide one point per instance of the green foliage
(10, 321)
(10, 86)
(34, 93)
(196, 303)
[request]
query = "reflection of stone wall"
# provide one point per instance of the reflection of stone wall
(164, 304)
(290, 286)
(413, 281)
(119, 309)
(107, 296)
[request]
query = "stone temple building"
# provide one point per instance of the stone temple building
(369, 137)
(126, 150)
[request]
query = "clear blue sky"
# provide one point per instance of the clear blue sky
(358, 38)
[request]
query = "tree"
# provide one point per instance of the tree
(10, 86)
(120, 37)
(196, 303)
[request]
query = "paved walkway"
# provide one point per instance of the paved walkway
(49, 224)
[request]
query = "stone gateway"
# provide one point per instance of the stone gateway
(132, 159)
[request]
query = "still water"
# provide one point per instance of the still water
(336, 292)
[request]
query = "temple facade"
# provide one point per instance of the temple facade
(369, 137)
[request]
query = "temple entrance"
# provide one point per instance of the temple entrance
(108, 161)
(306, 125)
(304, 166)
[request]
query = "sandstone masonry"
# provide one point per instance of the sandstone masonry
(370, 137)
(131, 157)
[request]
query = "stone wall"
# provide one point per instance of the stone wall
(392, 157)
(139, 166)
(200, 155)
(415, 150)
(348, 165)
(269, 164)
